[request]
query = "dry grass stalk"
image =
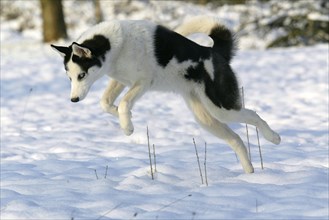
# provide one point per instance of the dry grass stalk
(197, 156)
(205, 162)
(148, 144)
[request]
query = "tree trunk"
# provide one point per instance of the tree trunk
(98, 11)
(54, 26)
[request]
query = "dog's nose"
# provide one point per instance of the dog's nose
(76, 99)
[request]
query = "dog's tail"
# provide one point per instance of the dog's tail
(224, 40)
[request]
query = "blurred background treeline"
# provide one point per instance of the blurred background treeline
(258, 23)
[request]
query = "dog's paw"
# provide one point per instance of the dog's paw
(249, 169)
(276, 139)
(128, 131)
(247, 166)
(273, 137)
(126, 124)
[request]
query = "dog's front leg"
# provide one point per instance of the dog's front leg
(112, 91)
(126, 104)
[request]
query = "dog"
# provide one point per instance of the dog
(143, 56)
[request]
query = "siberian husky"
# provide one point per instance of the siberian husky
(145, 56)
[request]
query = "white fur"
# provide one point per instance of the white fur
(81, 88)
(198, 24)
(131, 63)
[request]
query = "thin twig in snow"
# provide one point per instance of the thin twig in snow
(107, 167)
(108, 212)
(205, 162)
(197, 156)
(148, 144)
(163, 207)
(96, 173)
(155, 161)
(260, 150)
(247, 131)
(177, 200)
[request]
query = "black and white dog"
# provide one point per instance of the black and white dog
(144, 56)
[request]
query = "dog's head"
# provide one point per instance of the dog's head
(83, 64)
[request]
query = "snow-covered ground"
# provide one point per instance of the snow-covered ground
(63, 160)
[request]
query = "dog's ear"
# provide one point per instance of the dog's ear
(63, 51)
(81, 51)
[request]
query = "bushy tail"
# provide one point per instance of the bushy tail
(224, 40)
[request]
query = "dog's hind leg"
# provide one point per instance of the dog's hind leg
(112, 91)
(241, 116)
(249, 117)
(126, 104)
(220, 130)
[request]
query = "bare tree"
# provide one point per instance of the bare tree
(98, 11)
(54, 26)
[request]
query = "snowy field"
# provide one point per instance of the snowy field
(63, 160)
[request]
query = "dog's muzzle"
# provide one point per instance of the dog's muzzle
(76, 99)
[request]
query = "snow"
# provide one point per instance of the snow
(318, 17)
(63, 160)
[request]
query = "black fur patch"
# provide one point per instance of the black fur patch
(169, 44)
(98, 46)
(224, 42)
(223, 91)
(196, 73)
(86, 63)
(67, 56)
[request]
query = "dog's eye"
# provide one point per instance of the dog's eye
(81, 76)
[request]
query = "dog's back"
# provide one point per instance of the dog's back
(222, 88)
